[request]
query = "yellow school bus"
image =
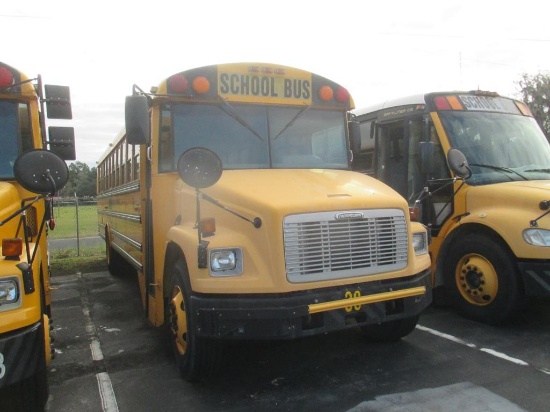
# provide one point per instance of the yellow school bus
(29, 176)
(230, 192)
(475, 168)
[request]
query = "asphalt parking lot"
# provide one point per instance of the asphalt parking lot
(108, 358)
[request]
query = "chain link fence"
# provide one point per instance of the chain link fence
(75, 233)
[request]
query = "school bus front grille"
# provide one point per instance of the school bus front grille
(333, 245)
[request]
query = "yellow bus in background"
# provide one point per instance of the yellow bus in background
(475, 168)
(230, 192)
(29, 176)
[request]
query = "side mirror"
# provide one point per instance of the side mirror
(61, 142)
(354, 138)
(458, 163)
(58, 102)
(199, 167)
(41, 171)
(137, 119)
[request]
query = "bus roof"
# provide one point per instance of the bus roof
(117, 139)
(418, 99)
(402, 101)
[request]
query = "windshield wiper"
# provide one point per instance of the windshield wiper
(500, 169)
(538, 170)
(301, 112)
(231, 112)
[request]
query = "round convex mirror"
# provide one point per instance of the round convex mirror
(458, 163)
(41, 171)
(199, 167)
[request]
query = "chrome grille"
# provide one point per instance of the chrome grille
(320, 246)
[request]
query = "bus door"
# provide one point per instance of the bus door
(409, 158)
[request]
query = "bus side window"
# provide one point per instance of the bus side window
(25, 128)
(166, 143)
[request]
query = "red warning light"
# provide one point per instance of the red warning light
(178, 83)
(6, 77)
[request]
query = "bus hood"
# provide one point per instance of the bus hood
(288, 191)
(525, 196)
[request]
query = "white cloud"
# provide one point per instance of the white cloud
(378, 51)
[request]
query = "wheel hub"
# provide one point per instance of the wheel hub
(178, 320)
(476, 279)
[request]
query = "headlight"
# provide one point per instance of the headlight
(9, 291)
(226, 262)
(537, 237)
(420, 243)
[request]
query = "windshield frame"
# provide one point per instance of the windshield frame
(261, 136)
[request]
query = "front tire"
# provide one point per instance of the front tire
(196, 357)
(483, 280)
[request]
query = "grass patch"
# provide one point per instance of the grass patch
(83, 264)
(65, 221)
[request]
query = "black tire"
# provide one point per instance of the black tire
(390, 331)
(483, 280)
(29, 395)
(196, 358)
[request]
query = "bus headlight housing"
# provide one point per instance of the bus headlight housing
(537, 237)
(9, 292)
(226, 262)
(420, 243)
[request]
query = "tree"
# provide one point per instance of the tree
(535, 92)
(82, 181)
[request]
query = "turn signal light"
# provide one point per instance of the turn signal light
(207, 226)
(12, 248)
(414, 213)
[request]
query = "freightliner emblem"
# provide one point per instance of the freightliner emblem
(349, 215)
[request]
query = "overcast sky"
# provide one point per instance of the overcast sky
(376, 49)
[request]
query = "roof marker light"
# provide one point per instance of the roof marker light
(326, 93)
(455, 103)
(178, 83)
(524, 109)
(201, 85)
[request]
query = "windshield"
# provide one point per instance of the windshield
(499, 147)
(255, 137)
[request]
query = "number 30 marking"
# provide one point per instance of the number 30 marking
(349, 295)
(2, 366)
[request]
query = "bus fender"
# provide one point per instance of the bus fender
(454, 234)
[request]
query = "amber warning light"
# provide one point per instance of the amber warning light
(12, 248)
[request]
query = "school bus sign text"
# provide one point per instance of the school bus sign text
(252, 87)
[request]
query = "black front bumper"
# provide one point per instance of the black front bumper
(22, 354)
(298, 314)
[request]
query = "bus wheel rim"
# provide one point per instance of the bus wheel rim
(178, 320)
(476, 280)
